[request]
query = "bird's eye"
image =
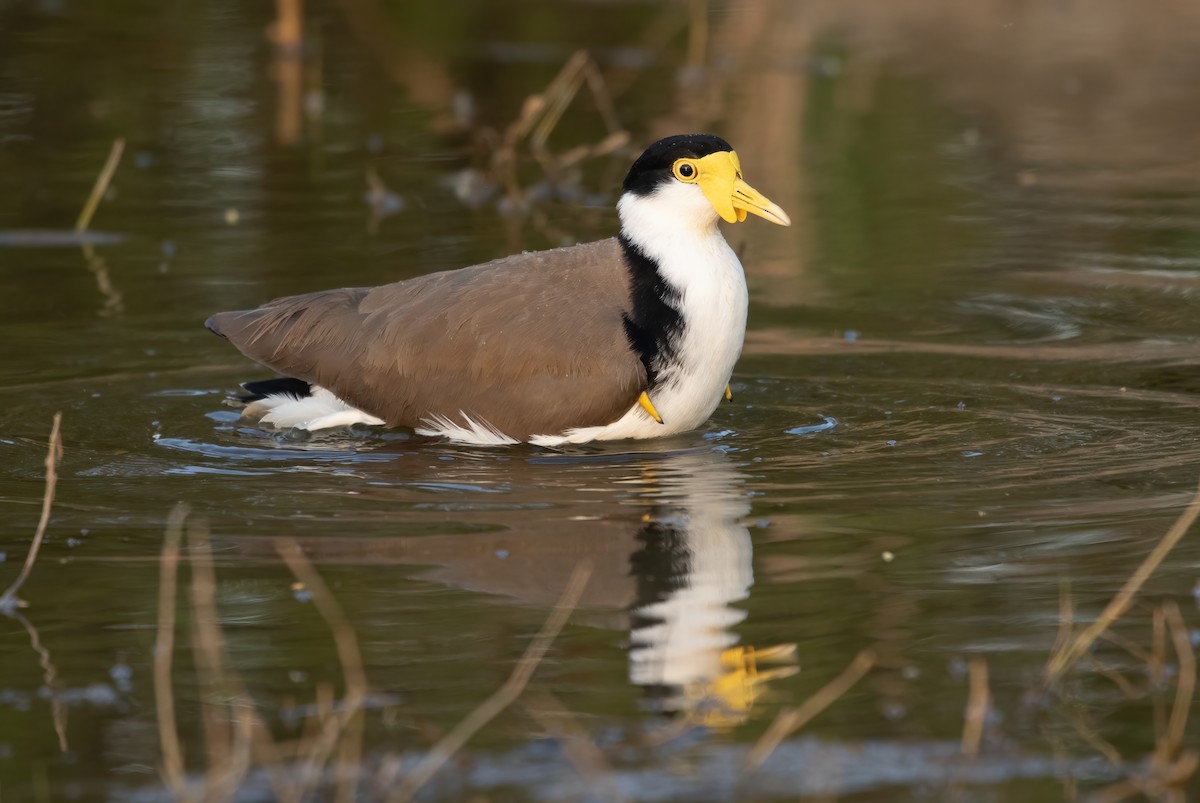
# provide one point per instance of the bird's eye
(685, 170)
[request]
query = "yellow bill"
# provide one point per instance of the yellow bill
(720, 178)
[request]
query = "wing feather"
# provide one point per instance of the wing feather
(532, 344)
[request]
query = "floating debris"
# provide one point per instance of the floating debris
(827, 424)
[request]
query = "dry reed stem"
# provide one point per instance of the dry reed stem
(113, 303)
(1061, 662)
(604, 102)
(791, 720)
(228, 748)
(558, 95)
(9, 599)
(1066, 617)
(579, 748)
(541, 113)
(501, 699)
(288, 28)
(101, 185)
(337, 722)
(287, 35)
(164, 646)
(978, 700)
(206, 649)
(1186, 684)
(1171, 766)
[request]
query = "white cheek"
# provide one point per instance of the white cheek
(687, 202)
(674, 214)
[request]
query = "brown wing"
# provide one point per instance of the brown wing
(533, 344)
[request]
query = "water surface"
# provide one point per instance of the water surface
(968, 396)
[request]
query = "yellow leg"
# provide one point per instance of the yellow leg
(644, 400)
(728, 394)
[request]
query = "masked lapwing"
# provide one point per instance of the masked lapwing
(630, 337)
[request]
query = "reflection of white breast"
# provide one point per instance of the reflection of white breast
(691, 627)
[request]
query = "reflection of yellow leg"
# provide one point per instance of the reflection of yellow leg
(644, 400)
(742, 682)
(728, 394)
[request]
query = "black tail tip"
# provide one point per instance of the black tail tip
(278, 386)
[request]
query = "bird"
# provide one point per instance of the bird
(631, 337)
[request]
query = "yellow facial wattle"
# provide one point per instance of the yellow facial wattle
(719, 176)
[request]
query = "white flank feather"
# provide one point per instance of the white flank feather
(320, 410)
(472, 432)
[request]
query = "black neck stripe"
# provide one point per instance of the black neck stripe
(654, 325)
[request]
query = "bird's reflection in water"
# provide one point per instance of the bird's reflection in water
(693, 563)
(663, 532)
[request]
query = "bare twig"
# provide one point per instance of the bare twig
(113, 302)
(790, 720)
(164, 646)
(1062, 661)
(9, 600)
(101, 185)
(977, 707)
(500, 699)
(50, 675)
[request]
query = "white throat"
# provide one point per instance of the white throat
(673, 220)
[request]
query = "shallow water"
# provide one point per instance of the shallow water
(968, 394)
